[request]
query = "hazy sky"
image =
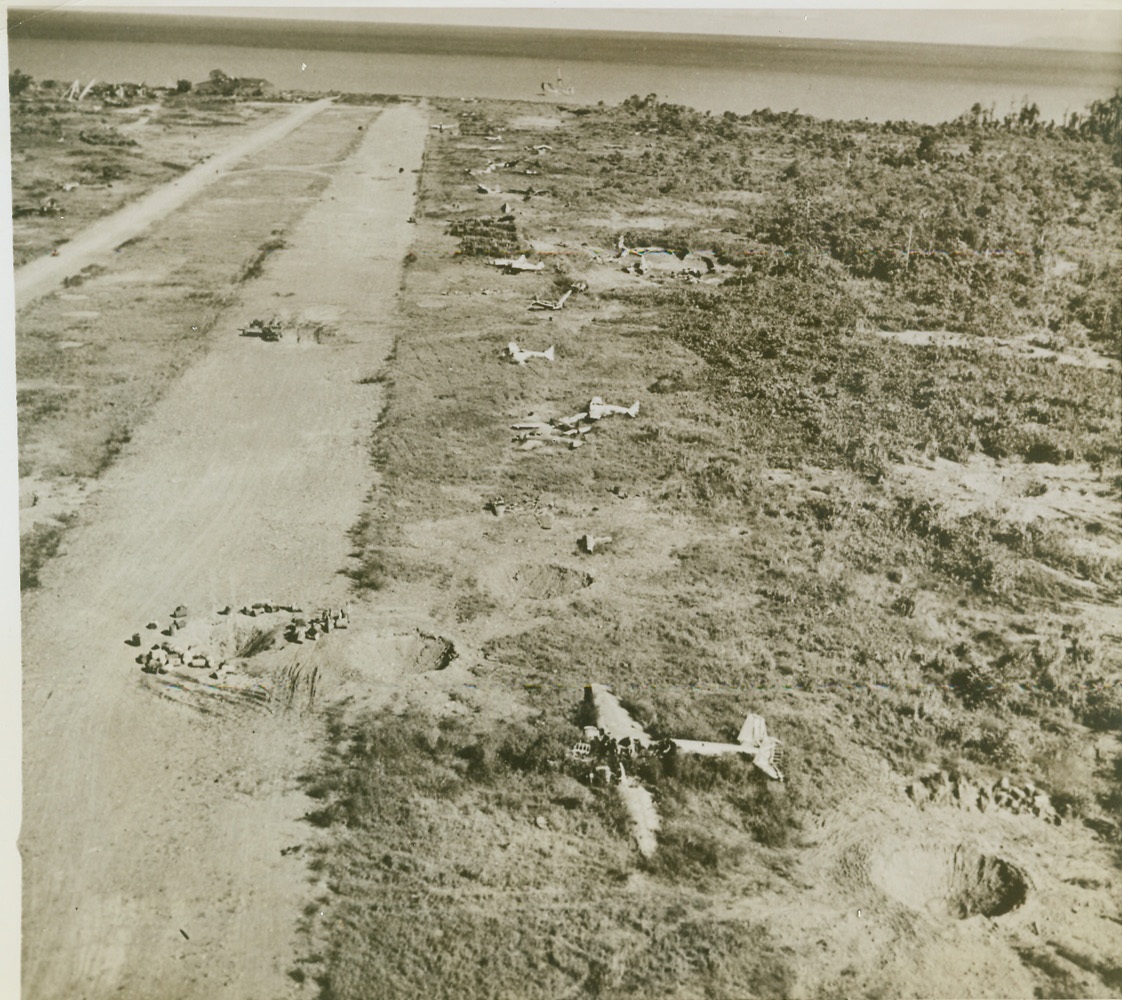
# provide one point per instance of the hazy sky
(1086, 25)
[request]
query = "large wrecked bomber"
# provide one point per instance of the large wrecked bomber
(622, 736)
(617, 742)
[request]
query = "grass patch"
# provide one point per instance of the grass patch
(37, 547)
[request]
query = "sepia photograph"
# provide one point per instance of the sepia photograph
(545, 503)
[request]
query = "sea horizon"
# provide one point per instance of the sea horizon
(825, 78)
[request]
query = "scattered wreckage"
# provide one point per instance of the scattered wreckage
(588, 544)
(569, 431)
(271, 330)
(167, 655)
(554, 305)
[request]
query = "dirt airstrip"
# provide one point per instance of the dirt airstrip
(152, 836)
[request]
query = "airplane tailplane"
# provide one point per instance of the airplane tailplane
(769, 758)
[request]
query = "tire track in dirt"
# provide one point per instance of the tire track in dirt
(152, 835)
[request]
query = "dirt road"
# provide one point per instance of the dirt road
(40, 276)
(153, 835)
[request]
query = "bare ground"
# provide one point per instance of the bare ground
(152, 837)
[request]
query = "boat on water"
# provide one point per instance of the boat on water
(559, 88)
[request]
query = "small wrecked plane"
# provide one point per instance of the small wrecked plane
(597, 408)
(517, 264)
(520, 356)
(551, 304)
(269, 330)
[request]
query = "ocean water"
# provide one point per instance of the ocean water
(847, 80)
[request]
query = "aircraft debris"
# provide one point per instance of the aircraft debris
(752, 741)
(484, 189)
(515, 265)
(519, 356)
(598, 409)
(766, 751)
(532, 442)
(270, 330)
(551, 304)
(567, 431)
(590, 543)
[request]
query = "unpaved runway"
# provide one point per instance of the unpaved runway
(42, 275)
(152, 834)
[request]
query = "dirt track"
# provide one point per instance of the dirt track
(40, 276)
(152, 835)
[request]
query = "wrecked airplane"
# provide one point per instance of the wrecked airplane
(519, 356)
(517, 264)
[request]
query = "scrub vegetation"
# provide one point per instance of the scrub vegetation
(872, 493)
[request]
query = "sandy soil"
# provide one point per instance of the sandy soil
(40, 276)
(153, 835)
(1023, 347)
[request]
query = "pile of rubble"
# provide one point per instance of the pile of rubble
(159, 658)
(312, 627)
(165, 655)
(262, 608)
(485, 237)
(299, 628)
(1026, 799)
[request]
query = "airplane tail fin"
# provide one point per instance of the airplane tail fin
(548, 353)
(633, 409)
(753, 732)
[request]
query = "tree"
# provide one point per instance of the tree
(183, 86)
(1029, 114)
(18, 82)
(928, 149)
